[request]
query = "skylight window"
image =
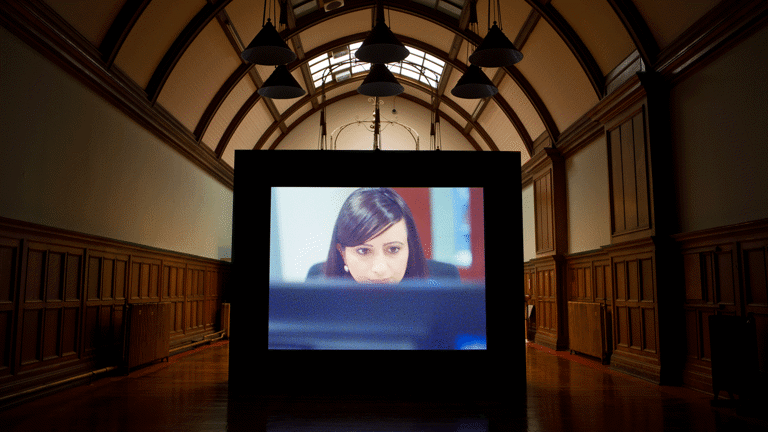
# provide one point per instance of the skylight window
(419, 66)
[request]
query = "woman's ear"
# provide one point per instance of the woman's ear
(341, 252)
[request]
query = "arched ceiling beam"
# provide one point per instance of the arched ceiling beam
(120, 28)
(446, 22)
(546, 10)
(574, 43)
(210, 10)
(218, 99)
(536, 102)
(408, 7)
(452, 62)
(329, 87)
(262, 141)
(235, 123)
(180, 45)
(638, 30)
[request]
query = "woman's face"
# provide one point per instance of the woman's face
(381, 259)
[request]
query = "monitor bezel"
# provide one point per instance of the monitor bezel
(498, 173)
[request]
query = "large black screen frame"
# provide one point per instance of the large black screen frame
(473, 374)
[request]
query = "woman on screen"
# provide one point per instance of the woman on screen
(375, 240)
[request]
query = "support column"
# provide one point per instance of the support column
(548, 178)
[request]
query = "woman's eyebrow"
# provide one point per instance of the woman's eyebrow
(393, 242)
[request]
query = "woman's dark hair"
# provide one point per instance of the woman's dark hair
(366, 213)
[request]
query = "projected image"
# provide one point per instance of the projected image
(377, 268)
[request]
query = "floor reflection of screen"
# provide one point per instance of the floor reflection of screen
(312, 308)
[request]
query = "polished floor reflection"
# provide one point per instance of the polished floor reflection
(564, 393)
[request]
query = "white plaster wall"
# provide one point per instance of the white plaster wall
(589, 212)
(529, 224)
(70, 160)
(719, 124)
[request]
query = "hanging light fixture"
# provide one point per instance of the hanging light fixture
(268, 48)
(474, 84)
(380, 82)
(281, 85)
(496, 50)
(381, 45)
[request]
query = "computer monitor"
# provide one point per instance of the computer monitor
(435, 370)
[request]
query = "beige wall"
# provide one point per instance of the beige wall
(357, 137)
(589, 212)
(720, 136)
(70, 160)
(529, 224)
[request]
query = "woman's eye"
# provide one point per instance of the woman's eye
(362, 251)
(394, 249)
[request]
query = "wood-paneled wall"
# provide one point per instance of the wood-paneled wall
(589, 279)
(543, 277)
(628, 170)
(725, 272)
(635, 310)
(622, 276)
(64, 296)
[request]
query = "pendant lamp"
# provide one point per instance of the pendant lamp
(474, 84)
(380, 82)
(281, 85)
(496, 50)
(268, 48)
(381, 45)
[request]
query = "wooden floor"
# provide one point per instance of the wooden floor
(189, 393)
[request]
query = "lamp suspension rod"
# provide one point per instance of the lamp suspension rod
(376, 121)
(496, 14)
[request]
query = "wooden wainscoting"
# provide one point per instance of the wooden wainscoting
(64, 296)
(725, 272)
(635, 309)
(547, 298)
(588, 280)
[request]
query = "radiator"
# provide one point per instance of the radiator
(586, 329)
(149, 333)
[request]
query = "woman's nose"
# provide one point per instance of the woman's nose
(380, 266)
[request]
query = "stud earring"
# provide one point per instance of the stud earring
(346, 269)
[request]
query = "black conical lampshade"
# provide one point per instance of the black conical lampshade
(268, 48)
(281, 85)
(474, 84)
(496, 50)
(381, 46)
(380, 82)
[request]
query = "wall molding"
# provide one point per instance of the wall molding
(39, 27)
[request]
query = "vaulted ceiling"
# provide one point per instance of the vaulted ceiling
(176, 65)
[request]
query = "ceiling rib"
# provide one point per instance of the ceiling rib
(574, 43)
(120, 28)
(233, 125)
(180, 45)
(458, 28)
(404, 81)
(538, 104)
(229, 84)
(311, 97)
(218, 99)
(298, 48)
(638, 29)
(353, 93)
(294, 30)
